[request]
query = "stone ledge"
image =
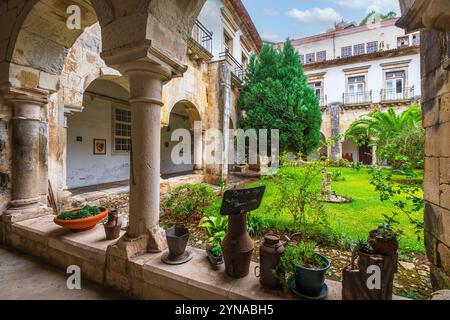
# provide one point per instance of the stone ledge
(147, 276)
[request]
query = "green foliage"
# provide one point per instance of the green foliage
(300, 196)
(216, 229)
(276, 96)
(409, 143)
(189, 198)
(254, 224)
(336, 175)
(393, 134)
(295, 256)
(86, 212)
(406, 198)
(373, 15)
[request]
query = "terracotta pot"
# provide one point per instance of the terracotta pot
(380, 245)
(78, 225)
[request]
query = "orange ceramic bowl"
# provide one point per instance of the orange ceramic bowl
(78, 225)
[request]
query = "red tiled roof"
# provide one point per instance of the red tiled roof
(243, 14)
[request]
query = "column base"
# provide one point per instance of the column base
(154, 241)
(17, 214)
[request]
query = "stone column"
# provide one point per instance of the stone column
(336, 148)
(146, 82)
(198, 148)
(374, 155)
(225, 84)
(27, 154)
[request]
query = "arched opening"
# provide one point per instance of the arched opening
(99, 137)
(182, 116)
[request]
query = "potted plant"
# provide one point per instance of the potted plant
(215, 228)
(214, 253)
(81, 219)
(307, 268)
(384, 239)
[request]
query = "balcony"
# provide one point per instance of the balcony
(322, 100)
(407, 93)
(358, 98)
(200, 43)
(237, 69)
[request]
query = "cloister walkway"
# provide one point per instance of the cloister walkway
(26, 278)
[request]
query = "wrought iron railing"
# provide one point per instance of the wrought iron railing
(357, 98)
(236, 68)
(407, 93)
(202, 35)
(323, 100)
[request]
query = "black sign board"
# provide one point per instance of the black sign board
(241, 201)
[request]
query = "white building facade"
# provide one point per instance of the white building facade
(360, 68)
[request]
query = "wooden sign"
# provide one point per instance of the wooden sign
(241, 201)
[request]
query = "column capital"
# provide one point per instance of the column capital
(25, 95)
(142, 55)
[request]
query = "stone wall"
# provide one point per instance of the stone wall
(436, 109)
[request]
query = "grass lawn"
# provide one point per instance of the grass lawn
(353, 220)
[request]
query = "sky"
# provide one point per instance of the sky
(277, 20)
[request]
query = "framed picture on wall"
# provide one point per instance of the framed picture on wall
(99, 146)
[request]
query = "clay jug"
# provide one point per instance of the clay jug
(112, 227)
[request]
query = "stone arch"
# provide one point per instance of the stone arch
(191, 109)
(83, 65)
(26, 43)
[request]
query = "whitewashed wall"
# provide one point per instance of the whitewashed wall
(83, 167)
(335, 78)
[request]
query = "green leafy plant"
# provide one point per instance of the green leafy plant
(295, 256)
(189, 198)
(215, 229)
(336, 175)
(254, 224)
(86, 212)
(406, 198)
(301, 196)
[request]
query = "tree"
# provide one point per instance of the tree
(276, 96)
(373, 15)
(393, 133)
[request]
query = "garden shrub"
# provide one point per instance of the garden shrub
(189, 199)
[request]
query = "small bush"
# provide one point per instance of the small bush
(254, 224)
(189, 199)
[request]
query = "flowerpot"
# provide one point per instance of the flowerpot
(311, 281)
(177, 240)
(215, 261)
(113, 226)
(79, 225)
(384, 246)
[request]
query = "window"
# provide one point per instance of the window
(358, 49)
(302, 59)
(372, 47)
(356, 90)
(228, 42)
(395, 85)
(416, 39)
(321, 56)
(403, 42)
(317, 87)
(346, 52)
(310, 58)
(122, 129)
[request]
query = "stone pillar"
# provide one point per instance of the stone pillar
(336, 148)
(374, 155)
(433, 18)
(225, 84)
(198, 149)
(146, 82)
(28, 152)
